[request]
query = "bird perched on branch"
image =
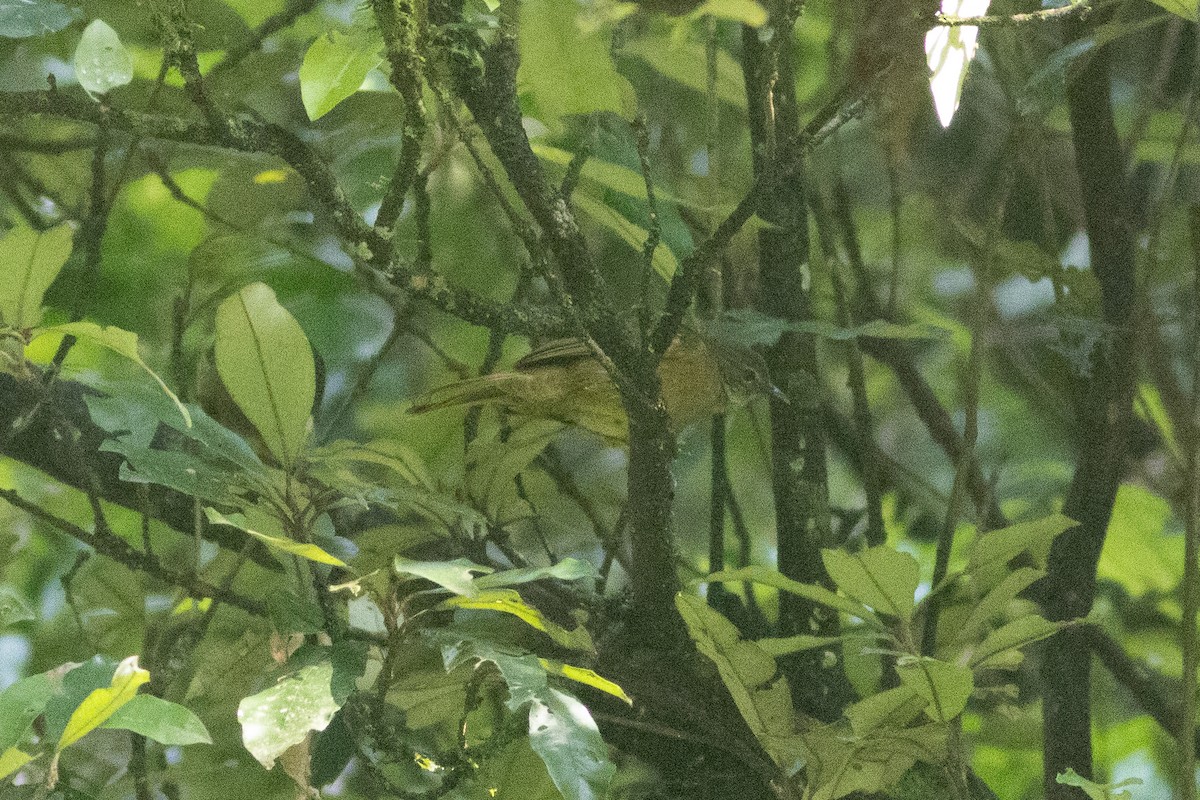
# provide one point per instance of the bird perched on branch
(564, 380)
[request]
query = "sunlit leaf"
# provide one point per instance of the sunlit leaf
(99, 706)
(586, 677)
(32, 261)
(746, 12)
(508, 601)
(121, 342)
(1097, 791)
(949, 51)
(282, 716)
(335, 65)
(1185, 8)
(563, 733)
(12, 760)
(303, 549)
(266, 363)
(101, 62)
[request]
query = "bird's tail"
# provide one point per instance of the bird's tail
(469, 392)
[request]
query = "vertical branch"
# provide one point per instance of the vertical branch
(798, 466)
(1103, 416)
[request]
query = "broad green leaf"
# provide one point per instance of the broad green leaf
(32, 261)
(995, 602)
(944, 687)
(508, 601)
(13, 608)
(795, 644)
(123, 343)
(586, 677)
(949, 51)
(1140, 553)
(563, 733)
(751, 676)
(1001, 648)
(12, 760)
(99, 706)
(161, 720)
(569, 569)
(266, 364)
(664, 261)
(1185, 8)
(1097, 791)
(879, 577)
(280, 717)
(25, 700)
(996, 548)
(101, 62)
(843, 763)
(891, 708)
(515, 772)
(495, 463)
(566, 70)
(809, 591)
(292, 614)
(303, 549)
(22, 18)
(335, 65)
(452, 575)
(620, 179)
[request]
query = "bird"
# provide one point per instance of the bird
(563, 380)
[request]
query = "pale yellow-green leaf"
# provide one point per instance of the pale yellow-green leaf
(664, 261)
(121, 342)
(303, 549)
(101, 62)
(12, 760)
(509, 601)
(1188, 9)
(266, 363)
(32, 260)
(586, 677)
(103, 703)
(746, 12)
(335, 66)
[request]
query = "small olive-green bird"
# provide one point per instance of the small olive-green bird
(563, 380)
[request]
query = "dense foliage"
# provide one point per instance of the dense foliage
(833, 423)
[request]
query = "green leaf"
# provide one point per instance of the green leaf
(508, 601)
(32, 261)
(24, 701)
(996, 602)
(949, 51)
(123, 343)
(586, 677)
(23, 18)
(624, 180)
(101, 62)
(795, 644)
(1185, 8)
(494, 465)
(303, 549)
(12, 760)
(664, 261)
(161, 720)
(566, 70)
(266, 364)
(452, 575)
(280, 717)
(750, 674)
(1097, 791)
(99, 706)
(569, 569)
(513, 773)
(292, 614)
(13, 608)
(1138, 553)
(891, 708)
(944, 687)
(335, 66)
(563, 733)
(679, 60)
(1001, 648)
(809, 591)
(995, 549)
(879, 577)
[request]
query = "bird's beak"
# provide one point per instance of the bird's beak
(778, 394)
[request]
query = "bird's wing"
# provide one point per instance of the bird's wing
(555, 351)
